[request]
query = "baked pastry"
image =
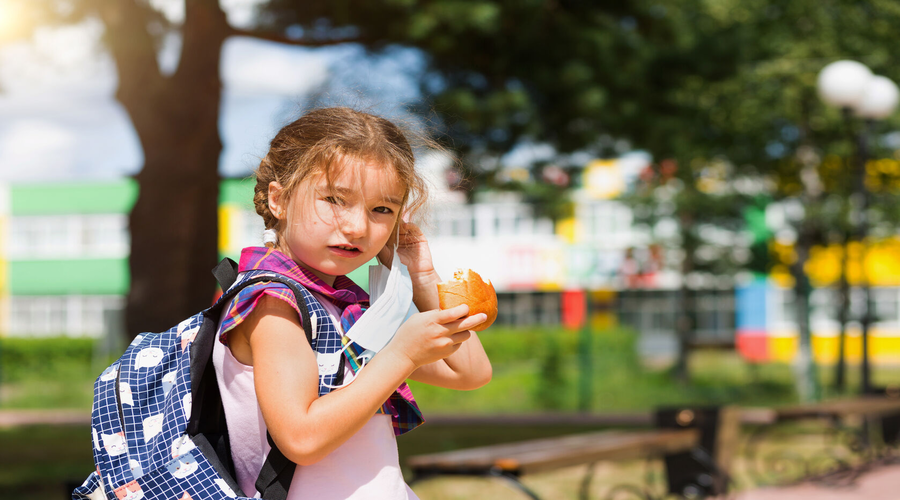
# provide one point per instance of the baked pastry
(467, 287)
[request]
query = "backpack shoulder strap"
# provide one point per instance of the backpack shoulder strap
(277, 472)
(226, 272)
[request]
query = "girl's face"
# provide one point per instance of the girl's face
(332, 230)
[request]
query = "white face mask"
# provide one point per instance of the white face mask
(391, 304)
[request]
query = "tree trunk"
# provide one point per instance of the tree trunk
(684, 324)
(843, 289)
(174, 223)
(804, 367)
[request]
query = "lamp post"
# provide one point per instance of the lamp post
(851, 86)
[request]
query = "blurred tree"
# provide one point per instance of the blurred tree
(562, 73)
(764, 118)
(708, 86)
(174, 222)
(725, 90)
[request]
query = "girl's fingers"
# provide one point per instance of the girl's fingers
(460, 337)
(386, 255)
(457, 318)
(410, 234)
(445, 316)
(473, 321)
(465, 324)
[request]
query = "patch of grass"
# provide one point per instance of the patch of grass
(535, 369)
(48, 372)
(41, 462)
(542, 369)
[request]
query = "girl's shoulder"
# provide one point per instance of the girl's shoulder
(246, 300)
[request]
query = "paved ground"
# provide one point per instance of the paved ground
(14, 418)
(878, 483)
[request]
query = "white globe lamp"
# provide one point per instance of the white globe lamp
(842, 83)
(879, 99)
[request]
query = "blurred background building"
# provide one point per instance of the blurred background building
(65, 248)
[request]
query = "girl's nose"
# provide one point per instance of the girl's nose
(354, 222)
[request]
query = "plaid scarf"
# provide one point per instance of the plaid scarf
(345, 294)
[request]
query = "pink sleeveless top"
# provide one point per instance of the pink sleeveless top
(365, 467)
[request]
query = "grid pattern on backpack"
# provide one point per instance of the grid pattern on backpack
(190, 473)
(142, 404)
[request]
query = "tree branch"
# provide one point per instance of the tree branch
(300, 42)
(134, 50)
(205, 29)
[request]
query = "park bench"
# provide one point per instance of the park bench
(695, 443)
(876, 426)
(863, 406)
(881, 410)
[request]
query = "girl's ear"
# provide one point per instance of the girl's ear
(276, 204)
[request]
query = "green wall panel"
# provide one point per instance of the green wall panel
(237, 192)
(360, 275)
(69, 277)
(73, 198)
(105, 197)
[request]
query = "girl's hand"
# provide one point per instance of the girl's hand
(433, 335)
(416, 256)
(412, 249)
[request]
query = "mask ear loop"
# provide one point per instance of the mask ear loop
(322, 376)
(363, 359)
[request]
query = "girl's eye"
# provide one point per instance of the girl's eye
(334, 200)
(384, 210)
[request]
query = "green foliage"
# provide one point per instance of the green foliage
(681, 78)
(551, 383)
(48, 372)
(38, 460)
(43, 358)
(536, 369)
(725, 91)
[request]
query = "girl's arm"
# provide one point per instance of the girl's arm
(469, 367)
(307, 427)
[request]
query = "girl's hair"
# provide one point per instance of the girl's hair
(324, 139)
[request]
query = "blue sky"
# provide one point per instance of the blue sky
(59, 120)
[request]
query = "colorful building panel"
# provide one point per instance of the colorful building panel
(763, 334)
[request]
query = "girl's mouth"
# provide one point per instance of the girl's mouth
(345, 250)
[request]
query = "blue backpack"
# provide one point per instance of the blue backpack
(158, 425)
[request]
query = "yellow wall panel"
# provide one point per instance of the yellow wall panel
(604, 320)
(569, 230)
(225, 214)
(884, 350)
(824, 349)
(853, 348)
(783, 348)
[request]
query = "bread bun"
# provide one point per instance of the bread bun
(467, 287)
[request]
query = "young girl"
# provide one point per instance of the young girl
(335, 187)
